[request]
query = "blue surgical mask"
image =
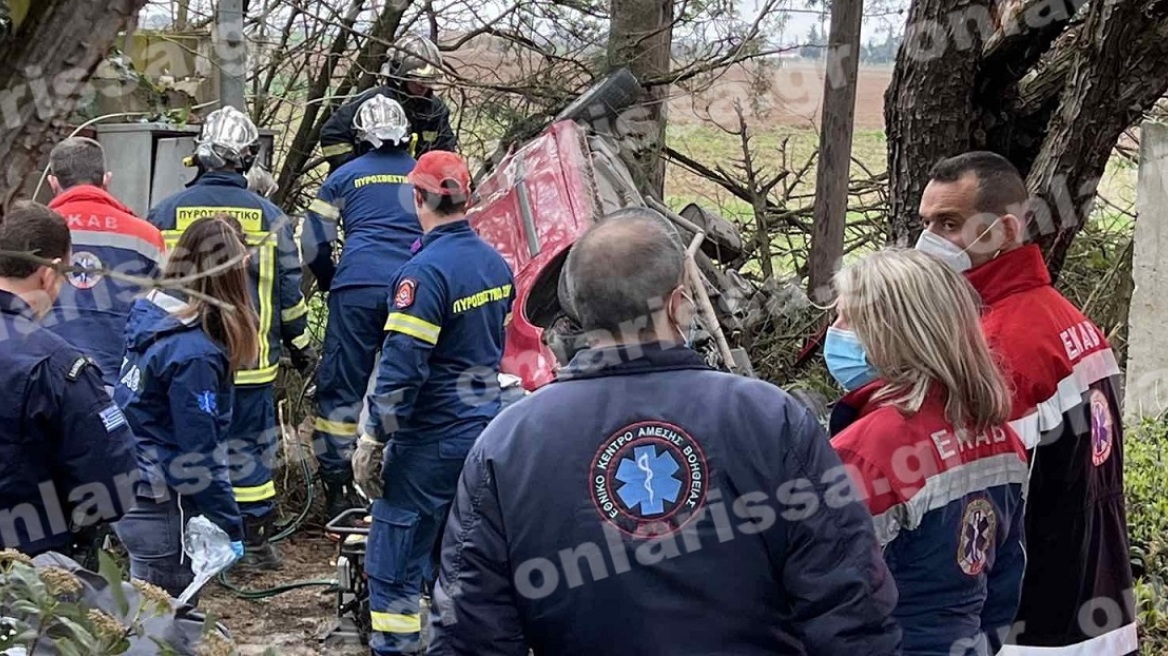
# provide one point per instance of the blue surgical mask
(846, 360)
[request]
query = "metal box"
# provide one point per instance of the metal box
(146, 160)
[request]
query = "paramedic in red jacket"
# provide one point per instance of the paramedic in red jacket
(1077, 594)
(92, 309)
(942, 472)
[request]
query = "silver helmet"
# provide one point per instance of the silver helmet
(228, 136)
(381, 120)
(414, 58)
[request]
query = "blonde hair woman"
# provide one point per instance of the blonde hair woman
(927, 444)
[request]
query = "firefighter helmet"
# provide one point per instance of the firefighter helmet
(414, 58)
(380, 120)
(228, 136)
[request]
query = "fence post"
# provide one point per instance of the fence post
(1147, 351)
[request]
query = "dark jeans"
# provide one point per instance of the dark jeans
(152, 533)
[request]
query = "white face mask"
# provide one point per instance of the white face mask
(949, 252)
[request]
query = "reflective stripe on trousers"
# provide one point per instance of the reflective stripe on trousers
(252, 444)
(352, 340)
(420, 483)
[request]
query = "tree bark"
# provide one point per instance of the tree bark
(641, 38)
(44, 71)
(835, 147)
(1119, 73)
(929, 107)
(359, 78)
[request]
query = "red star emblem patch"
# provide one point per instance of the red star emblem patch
(404, 296)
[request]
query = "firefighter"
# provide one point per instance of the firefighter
(66, 451)
(975, 213)
(645, 504)
(373, 204)
(414, 67)
(437, 388)
(92, 310)
(226, 150)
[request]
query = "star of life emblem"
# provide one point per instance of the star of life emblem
(978, 525)
(649, 474)
(90, 275)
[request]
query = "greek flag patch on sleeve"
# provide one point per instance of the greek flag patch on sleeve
(113, 418)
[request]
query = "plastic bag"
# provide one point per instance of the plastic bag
(210, 552)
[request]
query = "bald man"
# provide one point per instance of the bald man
(638, 517)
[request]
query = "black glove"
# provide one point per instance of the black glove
(305, 359)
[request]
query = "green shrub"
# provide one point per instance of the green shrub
(44, 607)
(1146, 483)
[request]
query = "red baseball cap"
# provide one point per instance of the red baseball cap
(441, 172)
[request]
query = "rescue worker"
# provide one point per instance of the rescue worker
(373, 203)
(951, 524)
(176, 389)
(975, 212)
(437, 388)
(652, 505)
(92, 310)
(226, 148)
(66, 452)
(408, 77)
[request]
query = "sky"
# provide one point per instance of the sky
(880, 16)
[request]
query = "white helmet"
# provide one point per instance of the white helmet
(380, 120)
(228, 136)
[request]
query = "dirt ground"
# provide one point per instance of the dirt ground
(793, 97)
(292, 623)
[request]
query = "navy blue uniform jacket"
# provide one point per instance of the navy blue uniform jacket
(439, 369)
(176, 390)
(645, 504)
(64, 445)
(374, 204)
(274, 269)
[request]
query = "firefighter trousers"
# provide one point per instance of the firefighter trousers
(356, 329)
(252, 444)
(420, 484)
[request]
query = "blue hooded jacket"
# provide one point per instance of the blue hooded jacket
(176, 391)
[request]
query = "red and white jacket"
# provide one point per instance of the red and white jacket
(1077, 593)
(948, 510)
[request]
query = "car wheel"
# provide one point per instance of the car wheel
(604, 100)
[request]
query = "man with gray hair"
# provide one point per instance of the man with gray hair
(92, 309)
(651, 504)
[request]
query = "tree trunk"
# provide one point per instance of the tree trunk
(182, 15)
(928, 108)
(1111, 82)
(1050, 89)
(835, 147)
(641, 38)
(44, 72)
(360, 77)
(303, 142)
